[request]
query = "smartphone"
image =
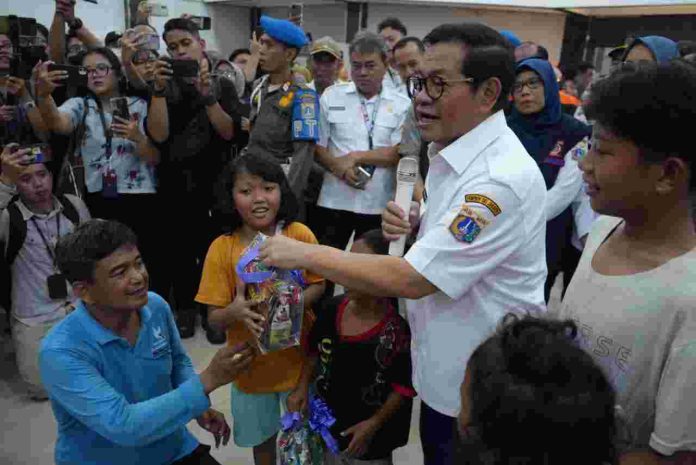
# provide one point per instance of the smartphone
(77, 75)
(203, 22)
(38, 153)
(296, 13)
(150, 42)
(364, 174)
(119, 107)
(158, 9)
(185, 68)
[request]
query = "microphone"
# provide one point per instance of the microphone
(406, 175)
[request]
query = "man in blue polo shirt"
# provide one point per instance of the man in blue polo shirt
(120, 383)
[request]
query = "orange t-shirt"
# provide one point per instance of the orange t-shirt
(273, 372)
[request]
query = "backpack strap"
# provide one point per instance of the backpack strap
(17, 232)
(69, 209)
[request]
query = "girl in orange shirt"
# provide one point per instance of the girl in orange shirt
(261, 201)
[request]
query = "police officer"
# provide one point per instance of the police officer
(284, 114)
(479, 252)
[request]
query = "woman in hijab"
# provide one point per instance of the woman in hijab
(652, 48)
(556, 141)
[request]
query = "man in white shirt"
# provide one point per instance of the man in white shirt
(392, 31)
(360, 129)
(479, 252)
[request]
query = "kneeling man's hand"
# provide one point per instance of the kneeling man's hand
(215, 423)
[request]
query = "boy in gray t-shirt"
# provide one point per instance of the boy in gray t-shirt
(633, 296)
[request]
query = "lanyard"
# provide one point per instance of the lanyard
(370, 122)
(107, 132)
(43, 238)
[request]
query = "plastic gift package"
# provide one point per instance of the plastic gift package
(278, 295)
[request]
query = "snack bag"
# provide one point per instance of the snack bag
(279, 297)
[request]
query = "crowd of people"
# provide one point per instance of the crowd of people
(527, 171)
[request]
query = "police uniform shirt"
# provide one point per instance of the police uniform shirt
(284, 125)
(482, 244)
(343, 130)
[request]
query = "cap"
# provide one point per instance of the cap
(326, 45)
(284, 31)
(617, 53)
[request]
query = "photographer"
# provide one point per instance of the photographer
(31, 221)
(18, 112)
(197, 137)
(114, 162)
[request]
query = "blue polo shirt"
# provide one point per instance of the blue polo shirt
(117, 404)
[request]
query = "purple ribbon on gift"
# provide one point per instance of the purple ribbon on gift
(290, 420)
(261, 276)
(320, 420)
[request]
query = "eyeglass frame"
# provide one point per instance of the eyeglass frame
(527, 84)
(92, 71)
(423, 84)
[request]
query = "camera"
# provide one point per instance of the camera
(27, 47)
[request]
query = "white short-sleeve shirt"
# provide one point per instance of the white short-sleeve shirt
(342, 130)
(482, 244)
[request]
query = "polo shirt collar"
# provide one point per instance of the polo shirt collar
(463, 151)
(99, 333)
(28, 214)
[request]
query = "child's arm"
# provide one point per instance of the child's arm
(313, 293)
(297, 400)
(364, 431)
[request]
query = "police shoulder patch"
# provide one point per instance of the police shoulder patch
(467, 225)
(485, 201)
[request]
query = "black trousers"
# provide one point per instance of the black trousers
(334, 228)
(439, 437)
(200, 456)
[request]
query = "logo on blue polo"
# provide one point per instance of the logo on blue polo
(160, 345)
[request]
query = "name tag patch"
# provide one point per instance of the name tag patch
(485, 201)
(337, 108)
(467, 225)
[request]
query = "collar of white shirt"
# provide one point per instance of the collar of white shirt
(27, 214)
(386, 93)
(460, 153)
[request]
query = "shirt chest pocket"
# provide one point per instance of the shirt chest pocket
(386, 132)
(346, 128)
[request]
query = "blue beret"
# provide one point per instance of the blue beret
(284, 31)
(511, 37)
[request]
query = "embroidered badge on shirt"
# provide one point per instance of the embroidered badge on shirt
(467, 225)
(485, 201)
(286, 100)
(160, 344)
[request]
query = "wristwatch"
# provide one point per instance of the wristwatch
(158, 93)
(75, 25)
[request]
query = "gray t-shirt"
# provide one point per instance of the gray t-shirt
(641, 329)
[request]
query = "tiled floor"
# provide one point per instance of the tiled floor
(28, 429)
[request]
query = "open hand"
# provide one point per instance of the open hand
(226, 365)
(214, 422)
(254, 44)
(362, 433)
(242, 310)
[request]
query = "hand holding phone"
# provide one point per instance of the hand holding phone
(185, 68)
(74, 75)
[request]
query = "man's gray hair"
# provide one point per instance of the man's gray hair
(366, 42)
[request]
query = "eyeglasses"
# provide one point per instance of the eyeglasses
(101, 70)
(533, 84)
(434, 85)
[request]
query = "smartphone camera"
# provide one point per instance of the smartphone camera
(38, 153)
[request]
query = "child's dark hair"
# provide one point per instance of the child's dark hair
(534, 394)
(77, 253)
(267, 168)
(375, 241)
(636, 97)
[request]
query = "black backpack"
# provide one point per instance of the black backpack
(17, 233)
